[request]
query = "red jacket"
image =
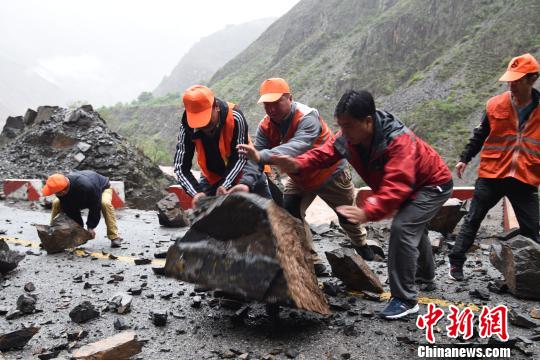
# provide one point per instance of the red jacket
(400, 163)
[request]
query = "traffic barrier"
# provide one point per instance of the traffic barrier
(183, 197)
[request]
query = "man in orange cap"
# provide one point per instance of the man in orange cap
(291, 128)
(508, 139)
(213, 128)
(84, 189)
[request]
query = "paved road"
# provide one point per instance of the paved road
(210, 331)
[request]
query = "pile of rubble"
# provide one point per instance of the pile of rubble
(56, 139)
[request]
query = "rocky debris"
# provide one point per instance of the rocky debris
(26, 303)
(13, 314)
(248, 246)
(376, 247)
(521, 320)
(355, 273)
(83, 312)
(497, 287)
(120, 303)
(142, 261)
(76, 335)
(120, 324)
(14, 126)
(518, 260)
(78, 139)
(448, 216)
(17, 339)
(480, 294)
(159, 317)
(120, 346)
(170, 213)
(63, 233)
(8, 259)
(535, 312)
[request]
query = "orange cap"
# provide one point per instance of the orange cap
(272, 89)
(198, 101)
(519, 67)
(54, 184)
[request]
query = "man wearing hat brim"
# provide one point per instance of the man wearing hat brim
(292, 128)
(508, 139)
(84, 189)
(213, 128)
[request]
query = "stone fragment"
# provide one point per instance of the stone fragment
(8, 259)
(83, 147)
(120, 324)
(170, 213)
(120, 303)
(142, 261)
(120, 346)
(64, 233)
(29, 287)
(83, 312)
(26, 303)
(518, 260)
(29, 117)
(521, 320)
(159, 317)
(448, 216)
(480, 294)
(535, 312)
(16, 340)
(355, 273)
(248, 246)
(79, 157)
(376, 247)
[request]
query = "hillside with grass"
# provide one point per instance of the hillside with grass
(434, 63)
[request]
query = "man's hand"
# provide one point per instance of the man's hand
(460, 168)
(249, 151)
(239, 188)
(196, 198)
(285, 163)
(353, 214)
(221, 190)
(92, 232)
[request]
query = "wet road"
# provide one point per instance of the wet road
(211, 331)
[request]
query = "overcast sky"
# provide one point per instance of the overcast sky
(105, 51)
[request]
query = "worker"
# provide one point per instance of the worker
(213, 128)
(508, 139)
(84, 189)
(409, 180)
(292, 128)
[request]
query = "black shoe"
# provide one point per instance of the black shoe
(320, 269)
(397, 308)
(365, 252)
(456, 272)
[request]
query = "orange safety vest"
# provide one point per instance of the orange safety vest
(509, 151)
(225, 141)
(314, 180)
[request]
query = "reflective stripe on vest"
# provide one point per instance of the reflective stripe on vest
(509, 151)
(316, 179)
(225, 141)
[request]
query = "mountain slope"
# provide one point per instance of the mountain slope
(209, 54)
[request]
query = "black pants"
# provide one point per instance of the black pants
(487, 193)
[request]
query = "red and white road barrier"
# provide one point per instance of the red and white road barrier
(119, 197)
(30, 190)
(183, 197)
(460, 192)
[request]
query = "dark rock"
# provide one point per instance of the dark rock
(247, 245)
(330, 288)
(160, 255)
(159, 317)
(292, 353)
(518, 260)
(8, 259)
(508, 234)
(29, 287)
(76, 335)
(448, 216)
(350, 330)
(521, 320)
(16, 340)
(158, 270)
(170, 213)
(355, 273)
(120, 324)
(479, 294)
(29, 117)
(63, 233)
(83, 312)
(26, 303)
(142, 261)
(497, 286)
(371, 296)
(13, 314)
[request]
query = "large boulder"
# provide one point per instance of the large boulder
(8, 259)
(246, 245)
(519, 261)
(15, 340)
(63, 233)
(170, 213)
